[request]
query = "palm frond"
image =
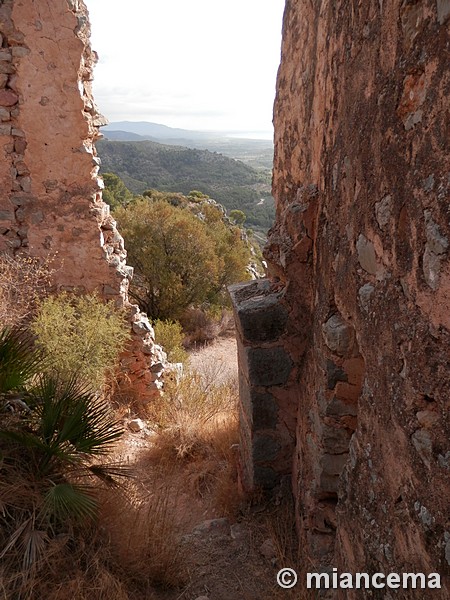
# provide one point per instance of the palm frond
(66, 500)
(71, 421)
(110, 472)
(34, 543)
(15, 537)
(98, 429)
(25, 438)
(19, 360)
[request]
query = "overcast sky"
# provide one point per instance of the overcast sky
(196, 64)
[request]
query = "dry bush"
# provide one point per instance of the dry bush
(79, 565)
(74, 564)
(76, 571)
(133, 548)
(203, 326)
(23, 282)
(199, 328)
(227, 323)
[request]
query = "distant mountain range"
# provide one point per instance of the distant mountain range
(147, 130)
(257, 153)
(158, 131)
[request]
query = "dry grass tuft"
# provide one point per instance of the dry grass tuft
(202, 327)
(83, 573)
(133, 548)
(190, 416)
(276, 522)
(144, 535)
(280, 523)
(197, 429)
(75, 564)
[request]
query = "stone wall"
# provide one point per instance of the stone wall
(360, 256)
(266, 373)
(51, 200)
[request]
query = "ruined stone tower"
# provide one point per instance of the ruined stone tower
(344, 350)
(50, 201)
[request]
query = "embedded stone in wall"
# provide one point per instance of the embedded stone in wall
(443, 10)
(435, 251)
(339, 336)
(367, 256)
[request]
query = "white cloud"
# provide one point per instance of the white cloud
(199, 64)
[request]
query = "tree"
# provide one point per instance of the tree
(115, 193)
(238, 216)
(175, 261)
(183, 255)
(232, 252)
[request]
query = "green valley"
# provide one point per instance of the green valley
(146, 165)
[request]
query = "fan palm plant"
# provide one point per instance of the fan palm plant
(49, 454)
(19, 361)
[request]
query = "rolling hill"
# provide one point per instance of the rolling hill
(257, 153)
(147, 164)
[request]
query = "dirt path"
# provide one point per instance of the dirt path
(230, 554)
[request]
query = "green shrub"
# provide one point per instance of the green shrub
(169, 334)
(183, 256)
(238, 216)
(81, 335)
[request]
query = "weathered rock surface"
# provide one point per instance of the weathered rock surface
(359, 255)
(51, 202)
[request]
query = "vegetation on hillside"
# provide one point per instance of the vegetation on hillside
(143, 165)
(183, 252)
(115, 193)
(257, 153)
